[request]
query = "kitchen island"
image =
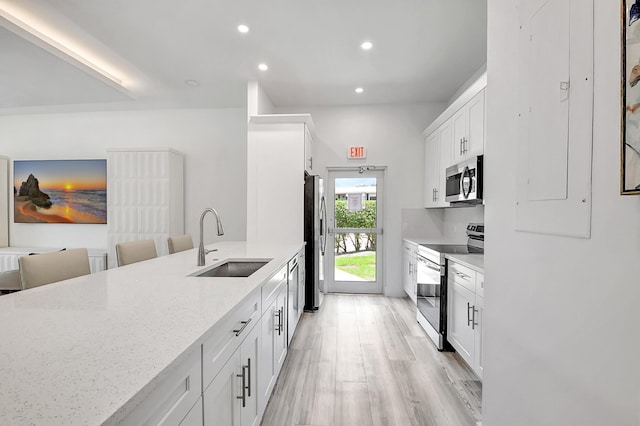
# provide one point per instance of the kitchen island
(92, 349)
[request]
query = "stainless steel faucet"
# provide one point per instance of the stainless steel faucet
(201, 250)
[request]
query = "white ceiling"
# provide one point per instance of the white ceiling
(423, 51)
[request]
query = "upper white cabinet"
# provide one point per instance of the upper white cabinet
(278, 153)
(457, 134)
(436, 159)
(469, 129)
(146, 197)
(308, 150)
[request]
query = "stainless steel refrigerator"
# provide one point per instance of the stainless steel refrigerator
(315, 236)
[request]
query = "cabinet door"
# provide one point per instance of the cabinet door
(446, 139)
(431, 169)
(308, 150)
(249, 350)
(478, 363)
(267, 375)
(459, 331)
(280, 333)
(407, 273)
(475, 133)
(459, 123)
(194, 418)
(221, 404)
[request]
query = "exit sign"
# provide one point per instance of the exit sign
(356, 152)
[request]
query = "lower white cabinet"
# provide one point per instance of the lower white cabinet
(172, 400)
(409, 275)
(194, 418)
(464, 314)
(232, 398)
(274, 346)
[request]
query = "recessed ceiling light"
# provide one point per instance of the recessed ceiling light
(192, 83)
(243, 28)
(263, 67)
(366, 45)
(359, 90)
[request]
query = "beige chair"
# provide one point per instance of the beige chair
(180, 243)
(135, 251)
(47, 268)
(10, 281)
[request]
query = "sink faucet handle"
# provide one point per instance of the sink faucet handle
(207, 251)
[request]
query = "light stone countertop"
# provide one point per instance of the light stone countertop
(473, 261)
(88, 350)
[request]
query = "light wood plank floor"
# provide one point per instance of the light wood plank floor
(364, 360)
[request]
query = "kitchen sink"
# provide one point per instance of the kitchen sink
(234, 268)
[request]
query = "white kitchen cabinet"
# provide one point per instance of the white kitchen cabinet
(194, 417)
(276, 162)
(431, 169)
(469, 129)
(464, 314)
(308, 150)
(409, 280)
(437, 159)
(232, 396)
(145, 197)
(273, 348)
(173, 398)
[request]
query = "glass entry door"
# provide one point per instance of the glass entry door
(354, 247)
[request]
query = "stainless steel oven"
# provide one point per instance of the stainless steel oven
(430, 277)
(432, 282)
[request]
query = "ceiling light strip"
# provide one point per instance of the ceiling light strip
(34, 35)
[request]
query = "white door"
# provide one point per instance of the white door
(355, 202)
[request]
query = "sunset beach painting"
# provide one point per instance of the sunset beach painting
(60, 191)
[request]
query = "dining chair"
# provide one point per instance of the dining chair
(135, 251)
(10, 281)
(179, 243)
(47, 268)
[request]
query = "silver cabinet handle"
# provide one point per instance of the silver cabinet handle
(469, 320)
(460, 146)
(473, 319)
(243, 397)
(249, 378)
(410, 265)
(244, 324)
(279, 324)
(435, 191)
(310, 163)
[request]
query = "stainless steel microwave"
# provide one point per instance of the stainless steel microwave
(464, 181)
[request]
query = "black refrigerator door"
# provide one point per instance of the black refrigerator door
(312, 240)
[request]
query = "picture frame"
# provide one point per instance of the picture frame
(60, 191)
(630, 98)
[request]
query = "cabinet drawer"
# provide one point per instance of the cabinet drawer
(174, 396)
(218, 347)
(480, 284)
(272, 287)
(462, 275)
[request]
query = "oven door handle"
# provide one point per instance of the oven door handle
(429, 264)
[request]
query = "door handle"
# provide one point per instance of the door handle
(473, 319)
(249, 378)
(469, 320)
(243, 397)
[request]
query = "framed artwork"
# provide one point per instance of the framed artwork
(60, 191)
(630, 95)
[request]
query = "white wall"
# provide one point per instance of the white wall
(392, 135)
(561, 337)
(213, 142)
